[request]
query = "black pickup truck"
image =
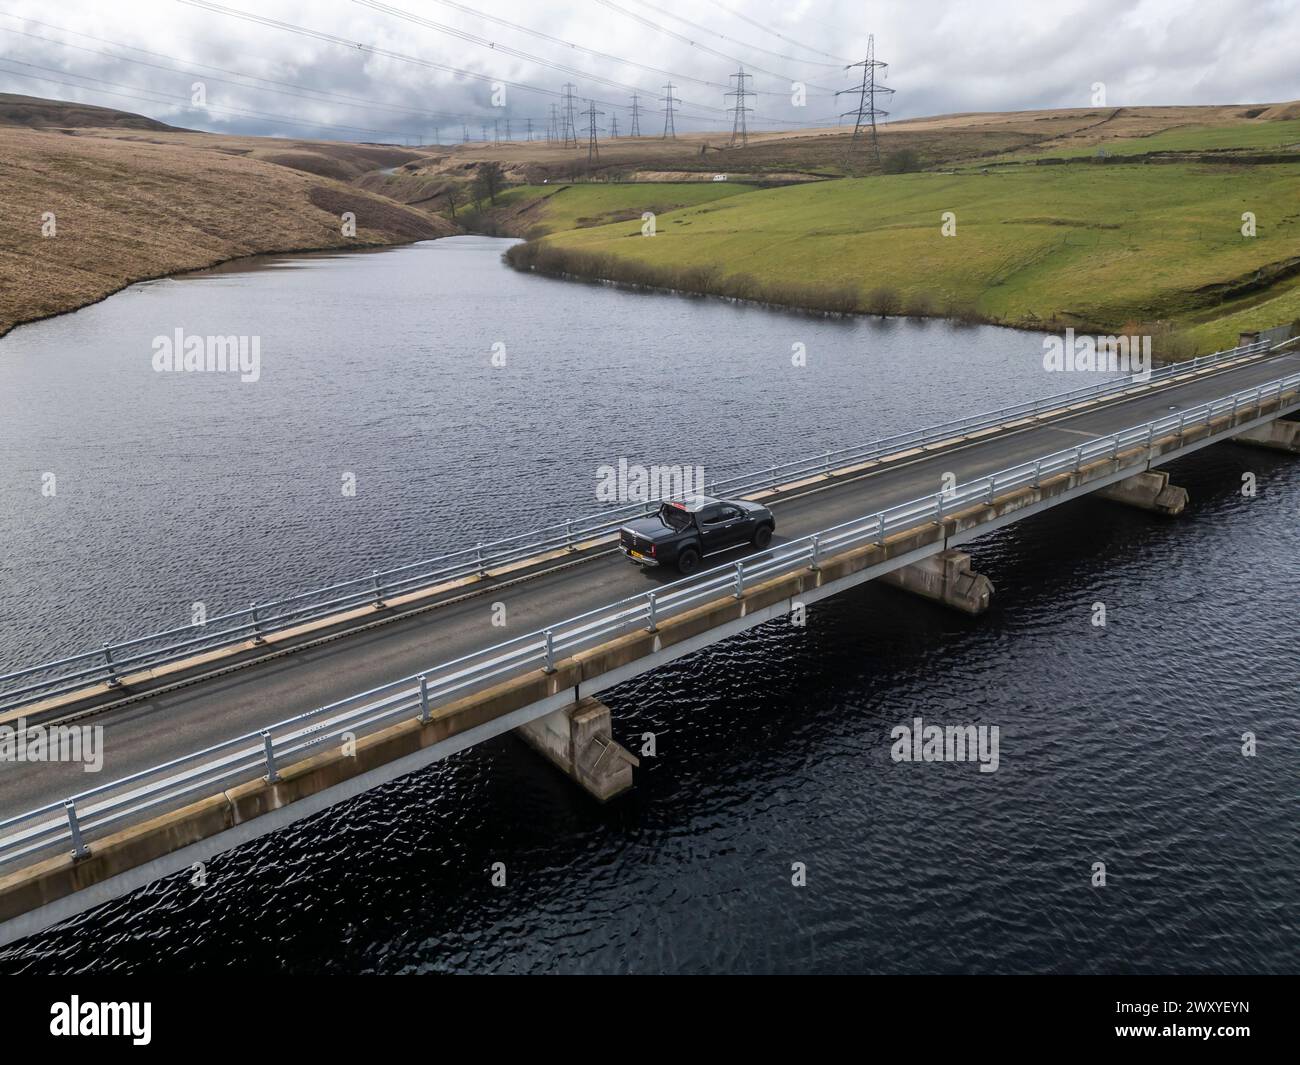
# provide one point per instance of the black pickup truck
(683, 532)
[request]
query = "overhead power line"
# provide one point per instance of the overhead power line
(562, 42)
(775, 33)
(651, 24)
(369, 49)
(184, 101)
(837, 65)
(495, 46)
(321, 95)
(285, 88)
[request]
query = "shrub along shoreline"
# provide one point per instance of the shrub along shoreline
(843, 300)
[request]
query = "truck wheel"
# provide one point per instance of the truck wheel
(688, 561)
(763, 536)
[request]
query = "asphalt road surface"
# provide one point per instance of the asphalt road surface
(155, 730)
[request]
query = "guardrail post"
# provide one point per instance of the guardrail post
(880, 529)
(478, 555)
(112, 679)
(938, 502)
(257, 625)
(550, 652)
(816, 552)
(1151, 433)
(424, 699)
(992, 489)
(1259, 399)
(1114, 448)
(654, 624)
(1182, 417)
(826, 464)
(1078, 458)
(272, 774)
(740, 581)
(774, 477)
(1038, 471)
(568, 534)
(379, 591)
(74, 829)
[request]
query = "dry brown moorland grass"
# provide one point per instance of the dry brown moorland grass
(129, 205)
(134, 199)
(788, 155)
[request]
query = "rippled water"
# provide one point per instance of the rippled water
(1119, 745)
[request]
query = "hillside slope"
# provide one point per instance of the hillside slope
(1137, 224)
(37, 113)
(128, 205)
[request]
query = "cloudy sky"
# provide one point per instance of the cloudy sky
(406, 69)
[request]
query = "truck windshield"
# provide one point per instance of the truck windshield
(675, 517)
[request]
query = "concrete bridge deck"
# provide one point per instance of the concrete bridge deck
(162, 727)
(157, 728)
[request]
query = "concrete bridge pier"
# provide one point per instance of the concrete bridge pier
(578, 740)
(1277, 435)
(1149, 490)
(946, 578)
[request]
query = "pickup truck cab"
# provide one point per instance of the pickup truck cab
(684, 532)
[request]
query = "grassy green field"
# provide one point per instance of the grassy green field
(550, 208)
(1097, 247)
(1277, 136)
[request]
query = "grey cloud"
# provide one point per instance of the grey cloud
(944, 57)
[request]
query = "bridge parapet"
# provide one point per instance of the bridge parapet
(130, 831)
(164, 660)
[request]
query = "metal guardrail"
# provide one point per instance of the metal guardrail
(113, 660)
(100, 810)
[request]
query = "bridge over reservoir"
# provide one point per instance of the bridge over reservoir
(218, 734)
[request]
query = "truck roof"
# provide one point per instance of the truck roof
(691, 504)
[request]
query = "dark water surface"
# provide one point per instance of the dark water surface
(1119, 745)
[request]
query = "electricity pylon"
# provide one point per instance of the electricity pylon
(670, 128)
(867, 112)
(739, 127)
(570, 130)
(593, 153)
